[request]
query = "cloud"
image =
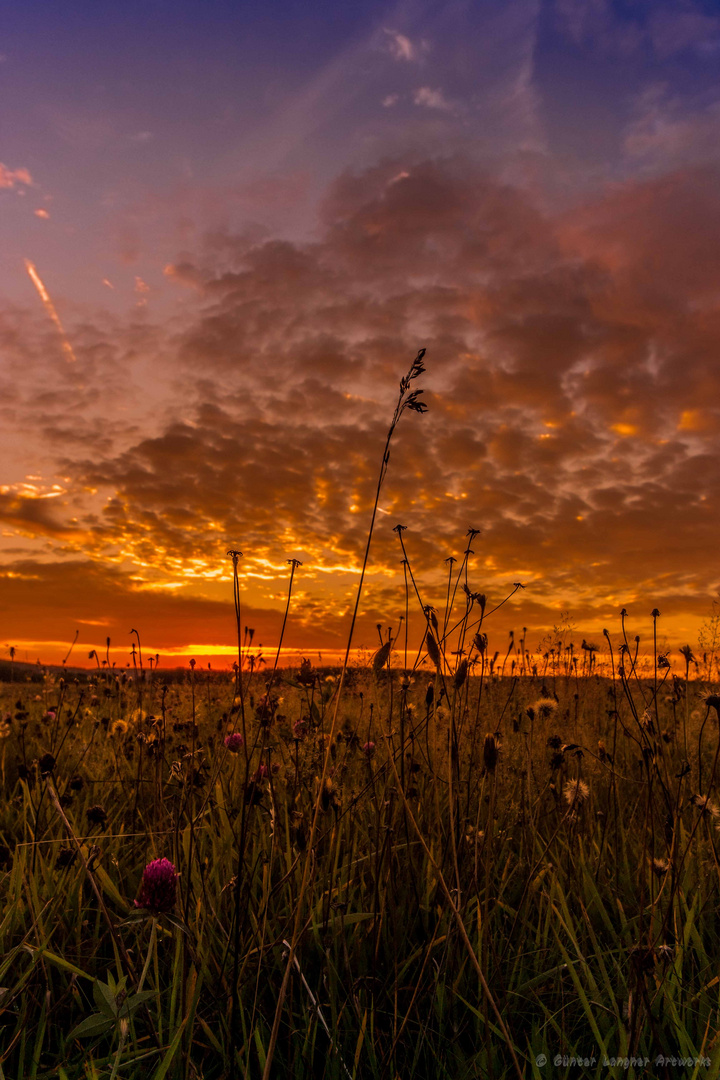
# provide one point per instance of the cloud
(676, 28)
(599, 25)
(571, 383)
(668, 130)
(432, 99)
(402, 48)
(10, 178)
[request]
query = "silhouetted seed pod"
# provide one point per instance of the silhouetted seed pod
(490, 753)
(381, 656)
(433, 651)
(461, 674)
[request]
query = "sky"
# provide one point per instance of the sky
(225, 231)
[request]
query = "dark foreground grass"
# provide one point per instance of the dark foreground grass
(561, 838)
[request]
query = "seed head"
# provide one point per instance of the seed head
(96, 815)
(576, 792)
(705, 805)
(544, 707)
(490, 753)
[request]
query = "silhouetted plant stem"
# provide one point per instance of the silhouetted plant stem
(407, 399)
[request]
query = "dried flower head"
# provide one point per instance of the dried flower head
(544, 707)
(491, 749)
(575, 792)
(46, 764)
(96, 815)
(368, 749)
(705, 805)
(158, 888)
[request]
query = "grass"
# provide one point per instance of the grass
(586, 888)
(431, 870)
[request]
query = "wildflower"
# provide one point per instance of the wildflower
(576, 791)
(306, 675)
(158, 888)
(660, 867)
(299, 730)
(368, 749)
(119, 728)
(50, 715)
(234, 741)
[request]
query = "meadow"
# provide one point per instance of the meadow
(500, 869)
(457, 865)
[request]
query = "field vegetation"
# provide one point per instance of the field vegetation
(452, 866)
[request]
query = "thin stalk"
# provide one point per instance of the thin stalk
(407, 399)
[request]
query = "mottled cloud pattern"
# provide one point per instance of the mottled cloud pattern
(572, 383)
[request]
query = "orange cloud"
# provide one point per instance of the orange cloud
(10, 178)
(571, 375)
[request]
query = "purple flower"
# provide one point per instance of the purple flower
(368, 749)
(234, 741)
(158, 888)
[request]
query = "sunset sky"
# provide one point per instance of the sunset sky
(227, 228)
